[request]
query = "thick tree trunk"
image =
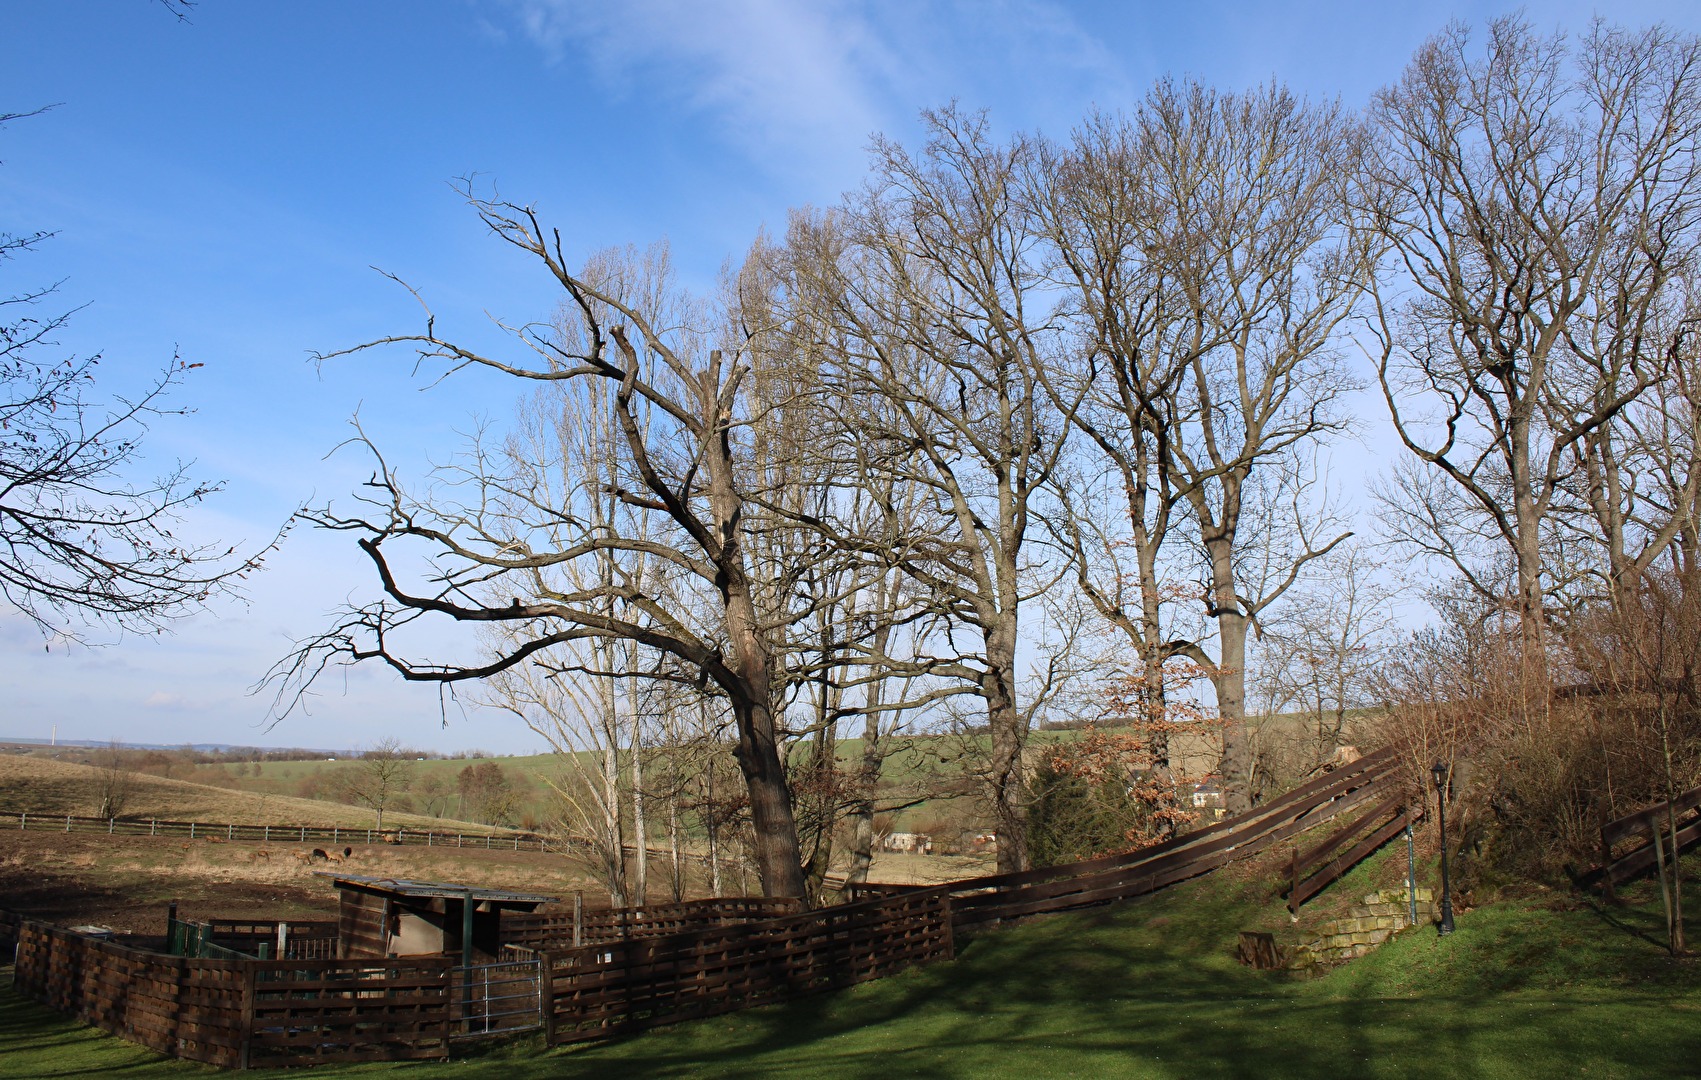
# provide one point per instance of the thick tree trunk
(771, 817)
(1006, 777)
(1228, 677)
(640, 831)
(873, 761)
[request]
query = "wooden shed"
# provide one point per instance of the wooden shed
(383, 917)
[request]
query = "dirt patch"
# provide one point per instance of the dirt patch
(126, 882)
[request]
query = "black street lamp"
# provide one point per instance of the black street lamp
(1439, 771)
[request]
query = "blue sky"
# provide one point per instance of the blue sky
(222, 188)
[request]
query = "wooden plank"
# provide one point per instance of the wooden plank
(1642, 821)
(1335, 870)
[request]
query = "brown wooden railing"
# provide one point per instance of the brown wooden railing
(1310, 872)
(562, 929)
(595, 991)
(1649, 822)
(982, 901)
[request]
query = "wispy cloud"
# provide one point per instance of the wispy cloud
(788, 81)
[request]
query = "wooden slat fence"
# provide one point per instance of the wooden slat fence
(336, 835)
(980, 901)
(1310, 872)
(237, 1013)
(1617, 869)
(653, 965)
(622, 986)
(555, 929)
(187, 1008)
(303, 1012)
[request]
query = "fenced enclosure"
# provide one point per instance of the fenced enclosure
(253, 939)
(631, 968)
(241, 1012)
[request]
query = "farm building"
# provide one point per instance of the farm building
(385, 917)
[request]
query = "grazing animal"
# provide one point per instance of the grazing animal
(260, 854)
(320, 853)
(303, 856)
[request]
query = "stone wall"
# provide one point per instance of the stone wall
(1381, 916)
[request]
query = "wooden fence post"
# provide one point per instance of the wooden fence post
(247, 1013)
(578, 918)
(1293, 874)
(1606, 861)
(546, 995)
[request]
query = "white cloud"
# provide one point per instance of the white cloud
(805, 85)
(774, 74)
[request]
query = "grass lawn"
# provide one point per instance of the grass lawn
(1538, 988)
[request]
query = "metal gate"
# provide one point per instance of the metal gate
(496, 999)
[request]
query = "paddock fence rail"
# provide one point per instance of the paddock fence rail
(243, 1012)
(564, 929)
(981, 902)
(618, 987)
(226, 832)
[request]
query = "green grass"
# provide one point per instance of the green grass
(1541, 987)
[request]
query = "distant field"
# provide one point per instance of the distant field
(36, 784)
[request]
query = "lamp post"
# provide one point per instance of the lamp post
(1439, 771)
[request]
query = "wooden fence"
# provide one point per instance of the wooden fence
(560, 929)
(616, 987)
(982, 901)
(335, 835)
(634, 968)
(1310, 872)
(237, 1013)
(1648, 823)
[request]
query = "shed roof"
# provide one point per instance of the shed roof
(434, 889)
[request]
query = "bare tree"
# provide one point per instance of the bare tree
(82, 541)
(939, 316)
(381, 778)
(1213, 324)
(1319, 657)
(1542, 199)
(675, 393)
(117, 782)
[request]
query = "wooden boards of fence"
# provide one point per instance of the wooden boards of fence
(304, 1012)
(979, 901)
(237, 1013)
(336, 835)
(621, 986)
(187, 1008)
(555, 929)
(1310, 872)
(1648, 822)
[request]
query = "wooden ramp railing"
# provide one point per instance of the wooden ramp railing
(1310, 872)
(981, 901)
(1650, 822)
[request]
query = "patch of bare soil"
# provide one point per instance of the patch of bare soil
(126, 882)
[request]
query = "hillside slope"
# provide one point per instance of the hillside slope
(39, 785)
